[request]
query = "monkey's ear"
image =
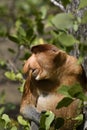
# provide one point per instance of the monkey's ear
(43, 48)
(60, 58)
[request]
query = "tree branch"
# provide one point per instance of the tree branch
(58, 4)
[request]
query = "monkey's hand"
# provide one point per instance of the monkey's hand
(35, 72)
(29, 112)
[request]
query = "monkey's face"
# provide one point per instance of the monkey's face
(44, 61)
(31, 65)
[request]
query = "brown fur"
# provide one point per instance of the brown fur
(48, 68)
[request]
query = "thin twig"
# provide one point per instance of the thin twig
(59, 5)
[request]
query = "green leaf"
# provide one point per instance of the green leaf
(2, 97)
(14, 128)
(59, 122)
(21, 32)
(64, 90)
(6, 118)
(77, 92)
(83, 4)
(2, 63)
(49, 119)
(46, 120)
(13, 38)
(3, 30)
(22, 121)
(2, 109)
(10, 75)
(2, 124)
(74, 89)
(43, 11)
(63, 21)
(19, 76)
(11, 50)
(67, 40)
(79, 118)
(42, 122)
(40, 26)
(21, 88)
(75, 26)
(84, 18)
(18, 24)
(66, 101)
(65, 2)
(80, 60)
(29, 33)
(81, 96)
(26, 56)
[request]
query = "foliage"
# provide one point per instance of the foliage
(71, 94)
(7, 123)
(24, 123)
(26, 25)
(46, 120)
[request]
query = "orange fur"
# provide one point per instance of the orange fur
(48, 68)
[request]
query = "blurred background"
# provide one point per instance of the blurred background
(27, 23)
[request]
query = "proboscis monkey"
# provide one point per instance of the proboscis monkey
(47, 69)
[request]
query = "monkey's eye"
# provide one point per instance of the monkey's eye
(35, 72)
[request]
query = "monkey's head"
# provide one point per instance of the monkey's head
(44, 61)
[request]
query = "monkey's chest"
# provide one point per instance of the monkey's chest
(50, 101)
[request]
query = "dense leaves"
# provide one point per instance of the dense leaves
(66, 39)
(31, 22)
(46, 120)
(71, 93)
(83, 3)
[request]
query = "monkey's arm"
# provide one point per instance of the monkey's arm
(27, 108)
